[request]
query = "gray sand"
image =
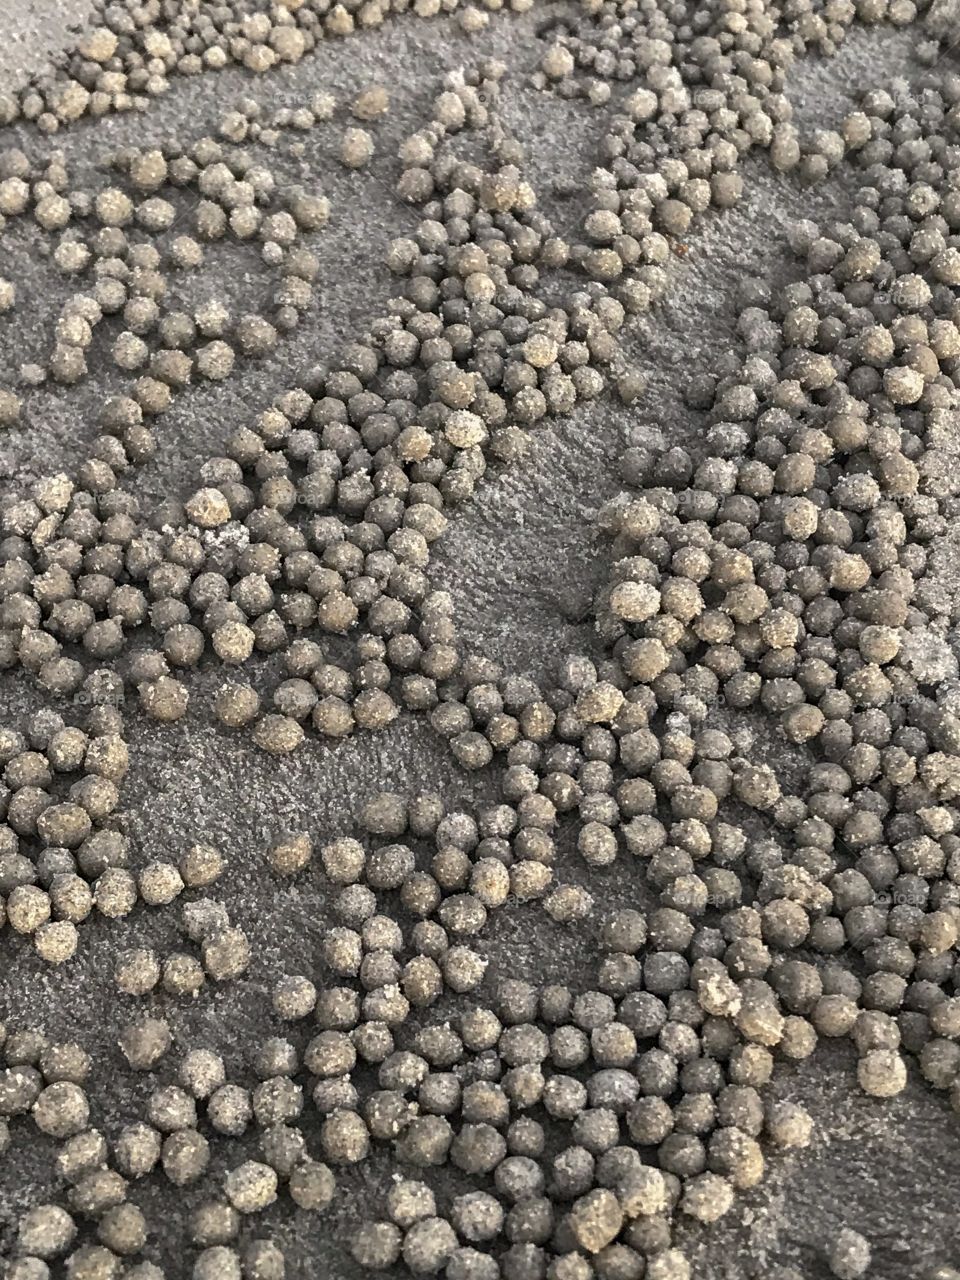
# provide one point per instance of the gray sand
(516, 558)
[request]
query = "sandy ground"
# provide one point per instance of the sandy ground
(517, 560)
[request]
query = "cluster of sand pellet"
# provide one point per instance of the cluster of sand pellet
(772, 570)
